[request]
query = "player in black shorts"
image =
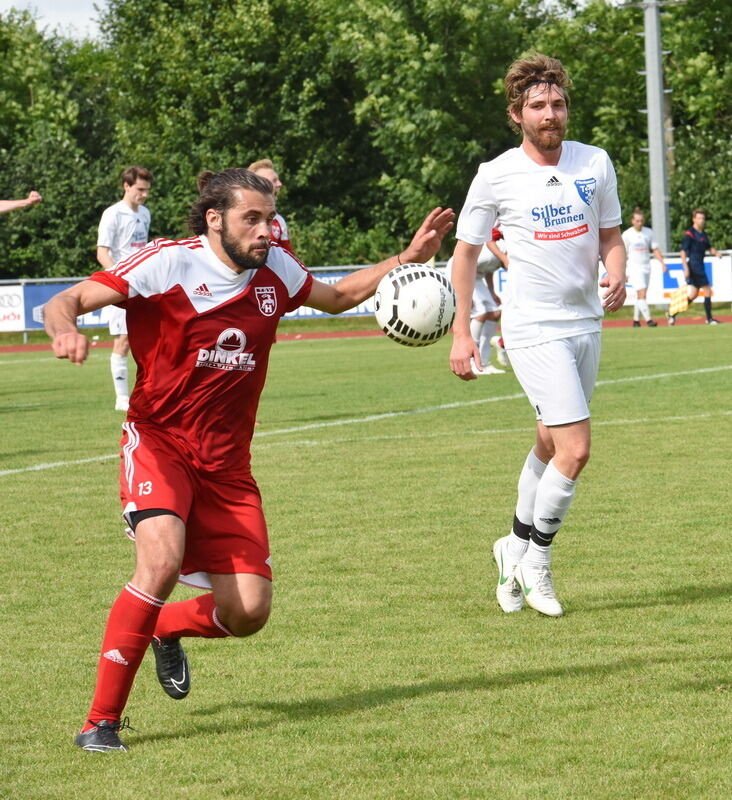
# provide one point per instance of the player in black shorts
(694, 246)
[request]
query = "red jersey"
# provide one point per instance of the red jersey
(280, 234)
(200, 334)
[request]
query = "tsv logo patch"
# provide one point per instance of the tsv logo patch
(586, 189)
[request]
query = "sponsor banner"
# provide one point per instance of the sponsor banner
(304, 312)
(21, 307)
(38, 294)
(661, 284)
(12, 308)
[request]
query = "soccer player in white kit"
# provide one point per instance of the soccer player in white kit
(559, 210)
(640, 243)
(123, 231)
(485, 311)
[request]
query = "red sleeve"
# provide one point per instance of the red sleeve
(113, 281)
(298, 299)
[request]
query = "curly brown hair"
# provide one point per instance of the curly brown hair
(218, 190)
(529, 70)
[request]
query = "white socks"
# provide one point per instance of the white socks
(641, 307)
(482, 333)
(554, 496)
(528, 484)
(118, 365)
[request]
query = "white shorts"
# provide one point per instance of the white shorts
(116, 318)
(559, 377)
(483, 300)
(638, 277)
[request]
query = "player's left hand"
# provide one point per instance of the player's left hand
(463, 349)
(428, 238)
(614, 297)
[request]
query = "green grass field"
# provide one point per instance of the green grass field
(387, 670)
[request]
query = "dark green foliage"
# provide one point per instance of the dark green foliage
(373, 111)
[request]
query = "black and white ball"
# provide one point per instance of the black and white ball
(414, 305)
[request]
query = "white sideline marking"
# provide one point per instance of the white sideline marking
(480, 401)
(444, 407)
(53, 464)
(492, 431)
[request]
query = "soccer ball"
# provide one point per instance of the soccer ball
(414, 305)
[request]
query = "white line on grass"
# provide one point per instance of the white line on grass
(492, 431)
(53, 464)
(428, 409)
(467, 403)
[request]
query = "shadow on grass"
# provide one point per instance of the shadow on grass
(680, 596)
(345, 704)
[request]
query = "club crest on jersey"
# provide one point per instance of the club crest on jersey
(228, 353)
(267, 299)
(586, 189)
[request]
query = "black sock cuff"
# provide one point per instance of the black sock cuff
(521, 529)
(541, 538)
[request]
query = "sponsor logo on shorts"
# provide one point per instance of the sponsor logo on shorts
(267, 299)
(228, 353)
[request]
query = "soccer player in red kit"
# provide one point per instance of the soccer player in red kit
(202, 314)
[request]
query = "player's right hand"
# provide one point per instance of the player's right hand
(463, 349)
(74, 346)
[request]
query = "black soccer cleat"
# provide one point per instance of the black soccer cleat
(636, 323)
(171, 665)
(652, 323)
(102, 737)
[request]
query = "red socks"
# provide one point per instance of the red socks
(129, 629)
(194, 617)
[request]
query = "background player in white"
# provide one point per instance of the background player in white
(640, 243)
(202, 314)
(10, 205)
(485, 311)
(559, 210)
(123, 230)
(280, 233)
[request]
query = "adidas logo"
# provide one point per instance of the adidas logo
(553, 181)
(202, 291)
(116, 656)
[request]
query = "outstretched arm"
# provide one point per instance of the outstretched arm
(11, 205)
(356, 287)
(61, 311)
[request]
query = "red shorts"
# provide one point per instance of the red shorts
(226, 532)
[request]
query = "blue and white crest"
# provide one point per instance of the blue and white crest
(586, 189)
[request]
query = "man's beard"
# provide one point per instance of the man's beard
(243, 258)
(548, 138)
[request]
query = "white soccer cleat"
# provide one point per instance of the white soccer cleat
(538, 589)
(488, 369)
(122, 403)
(501, 354)
(508, 592)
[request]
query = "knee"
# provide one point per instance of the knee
(575, 459)
(247, 616)
(158, 578)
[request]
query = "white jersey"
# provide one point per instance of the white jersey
(551, 218)
(488, 263)
(123, 230)
(639, 245)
